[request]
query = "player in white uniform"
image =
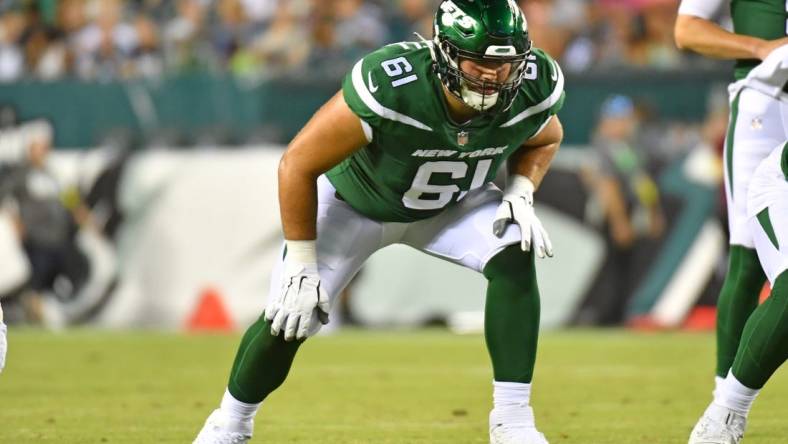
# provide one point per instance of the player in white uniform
(764, 342)
(767, 212)
(758, 122)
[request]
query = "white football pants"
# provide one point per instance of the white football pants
(345, 239)
(769, 191)
(758, 123)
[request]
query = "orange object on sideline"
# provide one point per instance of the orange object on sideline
(210, 314)
(702, 318)
(645, 323)
(705, 318)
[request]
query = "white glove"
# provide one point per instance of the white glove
(301, 297)
(518, 206)
(771, 75)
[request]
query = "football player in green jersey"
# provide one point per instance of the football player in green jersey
(405, 153)
(758, 122)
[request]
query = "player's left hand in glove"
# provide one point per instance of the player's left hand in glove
(517, 207)
(301, 297)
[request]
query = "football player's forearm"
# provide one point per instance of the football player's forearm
(533, 162)
(709, 39)
(297, 202)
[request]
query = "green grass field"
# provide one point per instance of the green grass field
(592, 387)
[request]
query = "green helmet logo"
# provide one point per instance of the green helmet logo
(482, 31)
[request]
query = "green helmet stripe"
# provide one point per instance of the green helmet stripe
(551, 100)
(375, 106)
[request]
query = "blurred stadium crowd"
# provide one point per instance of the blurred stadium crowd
(114, 39)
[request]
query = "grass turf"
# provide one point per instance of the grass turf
(592, 387)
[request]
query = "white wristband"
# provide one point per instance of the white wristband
(520, 185)
(302, 251)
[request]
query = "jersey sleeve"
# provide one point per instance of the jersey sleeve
(705, 9)
(359, 98)
(543, 87)
(555, 86)
(545, 83)
(368, 91)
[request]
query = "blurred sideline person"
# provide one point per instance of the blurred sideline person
(15, 269)
(17, 144)
(630, 207)
(402, 155)
(757, 123)
(66, 255)
(33, 194)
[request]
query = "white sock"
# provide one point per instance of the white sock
(236, 409)
(717, 383)
(1, 314)
(733, 395)
(510, 394)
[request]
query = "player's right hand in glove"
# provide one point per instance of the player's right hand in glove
(301, 296)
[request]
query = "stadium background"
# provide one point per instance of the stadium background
(168, 118)
(166, 121)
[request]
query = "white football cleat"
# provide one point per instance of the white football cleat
(514, 425)
(719, 425)
(219, 429)
(3, 345)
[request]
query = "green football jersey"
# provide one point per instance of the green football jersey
(418, 162)
(766, 19)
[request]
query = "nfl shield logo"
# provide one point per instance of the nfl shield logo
(462, 138)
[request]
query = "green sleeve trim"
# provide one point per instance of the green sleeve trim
(766, 224)
(552, 99)
(360, 88)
